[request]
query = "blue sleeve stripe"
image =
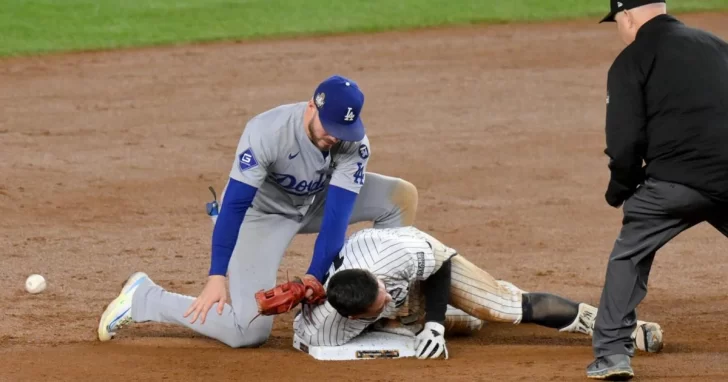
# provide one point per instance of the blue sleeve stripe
(238, 197)
(337, 213)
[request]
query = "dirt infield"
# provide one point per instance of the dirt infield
(106, 159)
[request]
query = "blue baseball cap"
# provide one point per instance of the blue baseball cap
(339, 102)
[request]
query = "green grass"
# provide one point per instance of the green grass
(35, 26)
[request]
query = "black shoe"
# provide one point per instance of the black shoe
(615, 367)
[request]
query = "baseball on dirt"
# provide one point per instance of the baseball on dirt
(35, 284)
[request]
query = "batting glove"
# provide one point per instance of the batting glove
(430, 342)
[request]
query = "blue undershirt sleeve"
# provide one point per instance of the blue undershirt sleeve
(337, 212)
(238, 197)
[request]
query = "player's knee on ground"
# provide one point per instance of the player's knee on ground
(249, 340)
(458, 322)
(250, 336)
(405, 197)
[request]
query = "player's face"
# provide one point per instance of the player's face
(383, 298)
(315, 131)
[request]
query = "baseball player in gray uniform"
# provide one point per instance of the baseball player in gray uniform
(405, 281)
(298, 168)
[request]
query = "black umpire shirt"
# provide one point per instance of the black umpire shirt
(667, 104)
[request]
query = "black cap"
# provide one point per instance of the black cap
(620, 5)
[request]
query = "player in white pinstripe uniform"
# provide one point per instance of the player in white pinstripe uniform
(405, 281)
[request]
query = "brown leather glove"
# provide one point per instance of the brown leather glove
(284, 297)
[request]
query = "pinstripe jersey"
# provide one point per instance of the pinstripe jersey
(397, 256)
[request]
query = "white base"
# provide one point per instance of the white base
(369, 345)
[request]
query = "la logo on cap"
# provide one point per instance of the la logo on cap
(349, 115)
(619, 4)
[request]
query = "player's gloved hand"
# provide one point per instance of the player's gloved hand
(214, 292)
(315, 292)
(284, 297)
(430, 342)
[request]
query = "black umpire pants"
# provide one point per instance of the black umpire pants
(656, 213)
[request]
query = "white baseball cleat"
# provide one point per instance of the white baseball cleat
(648, 337)
(118, 312)
(584, 321)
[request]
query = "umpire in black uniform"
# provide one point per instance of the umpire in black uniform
(667, 105)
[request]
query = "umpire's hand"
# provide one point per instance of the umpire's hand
(618, 193)
(214, 292)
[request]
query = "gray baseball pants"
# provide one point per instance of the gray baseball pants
(386, 201)
(654, 215)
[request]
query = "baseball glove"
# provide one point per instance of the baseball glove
(282, 298)
(318, 295)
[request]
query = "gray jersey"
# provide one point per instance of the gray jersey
(397, 256)
(276, 156)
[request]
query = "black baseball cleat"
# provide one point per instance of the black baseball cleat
(615, 367)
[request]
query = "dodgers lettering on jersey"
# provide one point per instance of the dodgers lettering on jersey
(276, 156)
(397, 256)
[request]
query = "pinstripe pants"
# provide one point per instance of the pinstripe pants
(474, 294)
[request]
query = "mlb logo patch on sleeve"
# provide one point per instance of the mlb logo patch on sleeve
(246, 160)
(363, 151)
